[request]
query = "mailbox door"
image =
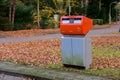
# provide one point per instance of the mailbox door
(66, 50)
(78, 45)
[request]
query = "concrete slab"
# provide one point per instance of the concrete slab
(46, 73)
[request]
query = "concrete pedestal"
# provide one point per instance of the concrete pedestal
(76, 50)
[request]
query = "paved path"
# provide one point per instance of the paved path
(47, 73)
(105, 31)
(8, 77)
(4, 40)
(96, 32)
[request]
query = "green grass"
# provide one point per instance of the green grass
(107, 72)
(113, 33)
(54, 66)
(107, 51)
(52, 32)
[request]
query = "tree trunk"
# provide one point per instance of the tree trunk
(86, 6)
(10, 10)
(100, 5)
(82, 3)
(13, 12)
(38, 20)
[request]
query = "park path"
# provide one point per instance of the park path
(106, 31)
(22, 39)
(95, 32)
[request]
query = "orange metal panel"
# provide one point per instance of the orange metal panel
(75, 25)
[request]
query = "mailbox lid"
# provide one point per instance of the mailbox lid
(71, 24)
(75, 24)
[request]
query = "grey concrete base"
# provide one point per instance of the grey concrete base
(77, 50)
(45, 73)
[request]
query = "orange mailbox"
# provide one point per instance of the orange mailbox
(75, 25)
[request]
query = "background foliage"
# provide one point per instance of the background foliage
(4, 20)
(26, 12)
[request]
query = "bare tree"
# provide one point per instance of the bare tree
(38, 13)
(61, 6)
(84, 4)
(100, 3)
(12, 9)
(13, 12)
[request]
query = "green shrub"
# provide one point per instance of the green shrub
(29, 26)
(19, 26)
(46, 20)
(98, 21)
(22, 26)
(23, 16)
(5, 24)
(51, 23)
(7, 27)
(47, 24)
(43, 24)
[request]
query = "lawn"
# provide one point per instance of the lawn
(47, 54)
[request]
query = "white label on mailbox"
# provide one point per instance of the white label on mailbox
(71, 21)
(77, 21)
(65, 21)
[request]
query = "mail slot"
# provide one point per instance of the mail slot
(75, 25)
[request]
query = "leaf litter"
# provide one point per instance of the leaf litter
(45, 52)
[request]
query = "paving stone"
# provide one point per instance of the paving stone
(45, 73)
(8, 77)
